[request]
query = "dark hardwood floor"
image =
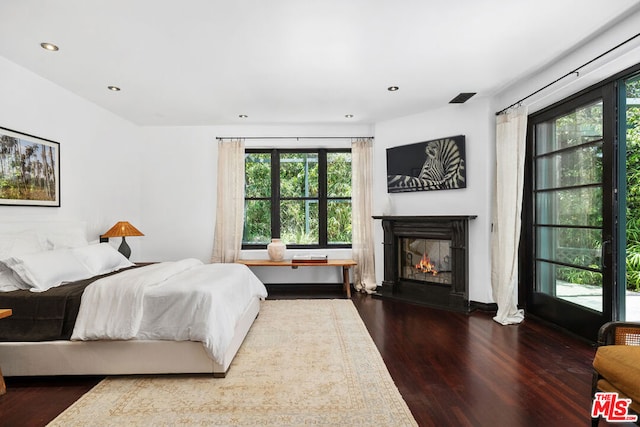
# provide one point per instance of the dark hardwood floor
(452, 370)
(467, 370)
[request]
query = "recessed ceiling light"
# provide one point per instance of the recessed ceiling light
(243, 116)
(393, 88)
(113, 88)
(49, 46)
(349, 116)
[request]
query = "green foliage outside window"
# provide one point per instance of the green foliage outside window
(300, 183)
(572, 200)
(257, 217)
(339, 188)
(633, 185)
(586, 211)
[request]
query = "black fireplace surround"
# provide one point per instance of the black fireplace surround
(407, 239)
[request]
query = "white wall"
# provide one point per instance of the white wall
(474, 120)
(178, 175)
(604, 67)
(99, 152)
(178, 199)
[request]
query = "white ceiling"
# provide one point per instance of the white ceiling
(205, 62)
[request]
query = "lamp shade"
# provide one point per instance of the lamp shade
(121, 229)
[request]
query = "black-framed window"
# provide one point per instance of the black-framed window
(300, 196)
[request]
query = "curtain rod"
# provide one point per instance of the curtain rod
(291, 137)
(576, 71)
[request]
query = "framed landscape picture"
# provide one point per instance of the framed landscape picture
(29, 170)
(431, 165)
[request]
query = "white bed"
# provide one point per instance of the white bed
(120, 357)
(127, 356)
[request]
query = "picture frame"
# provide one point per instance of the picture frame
(29, 170)
(438, 164)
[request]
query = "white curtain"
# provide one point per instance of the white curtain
(511, 130)
(227, 240)
(362, 222)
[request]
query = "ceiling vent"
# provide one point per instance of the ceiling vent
(462, 98)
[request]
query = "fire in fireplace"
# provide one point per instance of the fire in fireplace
(426, 260)
(426, 266)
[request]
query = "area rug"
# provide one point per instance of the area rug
(304, 362)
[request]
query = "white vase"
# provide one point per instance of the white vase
(276, 250)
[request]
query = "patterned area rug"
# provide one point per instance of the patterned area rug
(304, 362)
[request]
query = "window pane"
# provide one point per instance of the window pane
(632, 136)
(299, 221)
(575, 285)
(581, 126)
(257, 221)
(257, 174)
(339, 174)
(577, 206)
(568, 168)
(299, 175)
(339, 221)
(578, 246)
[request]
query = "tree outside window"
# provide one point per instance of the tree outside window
(300, 196)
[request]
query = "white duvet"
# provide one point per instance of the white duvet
(182, 301)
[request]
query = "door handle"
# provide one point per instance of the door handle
(603, 251)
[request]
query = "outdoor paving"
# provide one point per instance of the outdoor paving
(591, 296)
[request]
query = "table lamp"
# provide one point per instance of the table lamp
(122, 229)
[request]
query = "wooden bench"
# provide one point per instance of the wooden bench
(4, 312)
(345, 264)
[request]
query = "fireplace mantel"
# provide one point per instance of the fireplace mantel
(424, 217)
(453, 232)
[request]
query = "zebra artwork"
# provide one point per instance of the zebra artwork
(431, 165)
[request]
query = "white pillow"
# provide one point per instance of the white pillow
(8, 281)
(101, 258)
(28, 242)
(45, 270)
(69, 238)
(15, 244)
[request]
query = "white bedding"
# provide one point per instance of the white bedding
(182, 301)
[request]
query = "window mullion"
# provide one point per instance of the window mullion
(275, 194)
(322, 197)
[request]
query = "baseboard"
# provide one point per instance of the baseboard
(410, 300)
(473, 305)
(488, 307)
(304, 287)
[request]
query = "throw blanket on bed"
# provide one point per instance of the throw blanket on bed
(183, 300)
(43, 316)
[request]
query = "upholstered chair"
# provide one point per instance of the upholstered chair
(616, 365)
